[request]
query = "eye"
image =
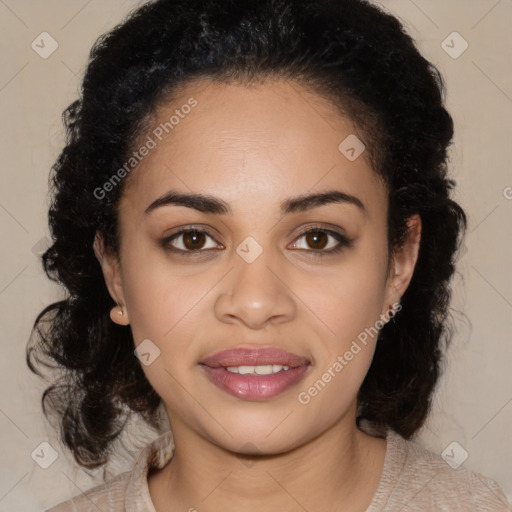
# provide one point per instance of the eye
(317, 241)
(188, 241)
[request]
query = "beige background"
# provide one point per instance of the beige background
(474, 400)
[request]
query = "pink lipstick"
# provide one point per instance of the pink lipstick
(255, 373)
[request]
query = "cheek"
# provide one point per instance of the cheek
(351, 307)
(351, 299)
(331, 392)
(165, 308)
(159, 296)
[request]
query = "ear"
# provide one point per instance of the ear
(403, 262)
(110, 266)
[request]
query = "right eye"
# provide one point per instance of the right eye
(188, 242)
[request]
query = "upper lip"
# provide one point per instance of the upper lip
(254, 356)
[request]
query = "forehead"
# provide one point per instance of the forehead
(250, 144)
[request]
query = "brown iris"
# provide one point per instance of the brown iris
(193, 240)
(316, 237)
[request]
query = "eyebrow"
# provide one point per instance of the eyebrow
(213, 205)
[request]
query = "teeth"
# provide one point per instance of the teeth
(265, 369)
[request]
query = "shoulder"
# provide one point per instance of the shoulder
(107, 497)
(416, 479)
(127, 490)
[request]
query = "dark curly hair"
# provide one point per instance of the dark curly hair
(348, 51)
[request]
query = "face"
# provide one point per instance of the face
(257, 266)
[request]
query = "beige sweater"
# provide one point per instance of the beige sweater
(413, 479)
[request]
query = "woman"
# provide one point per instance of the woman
(252, 219)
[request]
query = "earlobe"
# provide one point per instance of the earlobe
(111, 272)
(119, 316)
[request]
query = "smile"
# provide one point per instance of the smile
(264, 369)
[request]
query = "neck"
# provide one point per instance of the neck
(341, 466)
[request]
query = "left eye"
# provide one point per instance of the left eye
(318, 240)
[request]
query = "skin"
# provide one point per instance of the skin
(255, 147)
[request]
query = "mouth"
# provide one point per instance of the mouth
(253, 357)
(255, 373)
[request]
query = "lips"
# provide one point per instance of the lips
(251, 386)
(254, 356)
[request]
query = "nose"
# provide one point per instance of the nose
(257, 293)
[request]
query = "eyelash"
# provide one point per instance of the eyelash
(344, 242)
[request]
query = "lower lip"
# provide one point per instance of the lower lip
(254, 387)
